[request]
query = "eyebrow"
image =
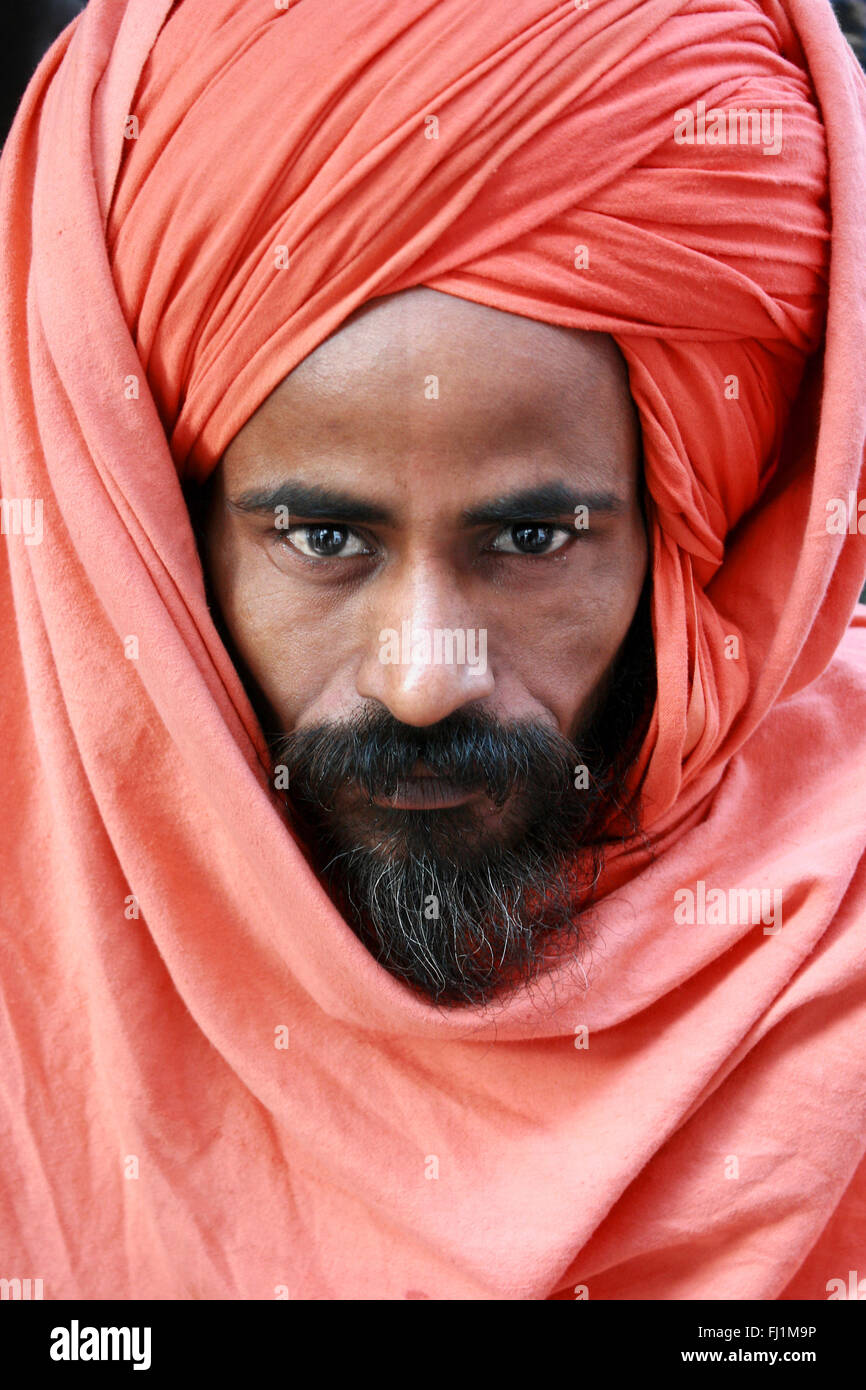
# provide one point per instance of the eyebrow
(536, 503)
(308, 500)
(525, 504)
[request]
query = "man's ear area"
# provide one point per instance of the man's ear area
(199, 498)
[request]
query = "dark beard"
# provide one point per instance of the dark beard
(454, 909)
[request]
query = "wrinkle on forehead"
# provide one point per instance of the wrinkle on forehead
(502, 380)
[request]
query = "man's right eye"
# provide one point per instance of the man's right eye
(324, 541)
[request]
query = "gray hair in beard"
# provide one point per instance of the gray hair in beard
(457, 913)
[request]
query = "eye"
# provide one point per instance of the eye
(531, 538)
(324, 541)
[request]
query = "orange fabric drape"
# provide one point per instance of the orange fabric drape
(209, 1088)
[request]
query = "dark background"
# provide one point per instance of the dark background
(27, 29)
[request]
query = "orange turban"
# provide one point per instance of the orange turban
(192, 198)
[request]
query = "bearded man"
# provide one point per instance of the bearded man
(435, 698)
(443, 800)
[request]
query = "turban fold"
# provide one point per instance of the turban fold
(192, 198)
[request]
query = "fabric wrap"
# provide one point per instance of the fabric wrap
(209, 1089)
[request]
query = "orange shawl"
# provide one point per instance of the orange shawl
(208, 1088)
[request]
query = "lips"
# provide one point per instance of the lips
(426, 792)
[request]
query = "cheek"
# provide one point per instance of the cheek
(290, 659)
(560, 642)
(287, 650)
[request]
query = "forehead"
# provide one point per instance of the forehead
(428, 385)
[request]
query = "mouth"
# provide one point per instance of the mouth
(424, 792)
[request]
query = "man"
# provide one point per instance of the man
(471, 613)
(436, 718)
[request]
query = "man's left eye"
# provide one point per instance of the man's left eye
(530, 538)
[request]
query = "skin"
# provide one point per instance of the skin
(521, 405)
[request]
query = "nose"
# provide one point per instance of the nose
(422, 658)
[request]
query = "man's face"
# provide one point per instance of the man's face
(427, 548)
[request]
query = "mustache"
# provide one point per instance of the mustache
(473, 750)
